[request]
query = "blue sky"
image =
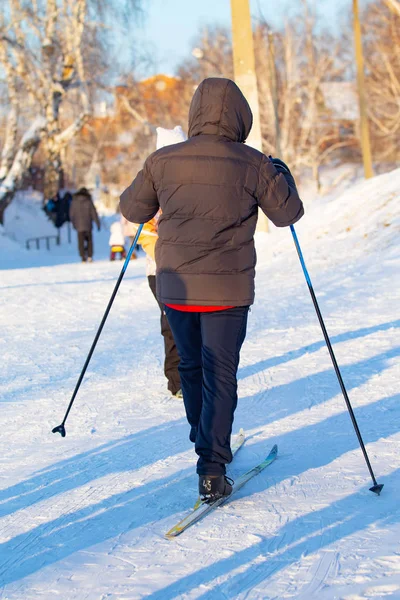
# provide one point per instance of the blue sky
(170, 26)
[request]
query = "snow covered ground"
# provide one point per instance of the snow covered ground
(84, 517)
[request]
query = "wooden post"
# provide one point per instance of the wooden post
(245, 75)
(274, 92)
(364, 131)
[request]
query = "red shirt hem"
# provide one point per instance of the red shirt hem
(187, 308)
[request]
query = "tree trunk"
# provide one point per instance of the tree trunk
(316, 174)
(53, 173)
(7, 154)
(21, 163)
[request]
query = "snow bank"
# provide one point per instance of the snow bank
(367, 212)
(363, 218)
(24, 217)
(7, 244)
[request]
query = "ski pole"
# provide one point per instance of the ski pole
(61, 428)
(376, 488)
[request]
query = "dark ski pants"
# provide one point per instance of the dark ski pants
(209, 347)
(171, 361)
(85, 244)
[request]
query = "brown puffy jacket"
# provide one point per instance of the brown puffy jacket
(82, 212)
(209, 189)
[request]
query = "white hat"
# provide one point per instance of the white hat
(166, 137)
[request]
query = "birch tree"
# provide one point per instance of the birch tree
(49, 53)
(11, 129)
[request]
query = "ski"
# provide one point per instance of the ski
(237, 444)
(204, 509)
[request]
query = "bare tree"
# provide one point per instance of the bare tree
(292, 66)
(46, 59)
(213, 54)
(45, 51)
(382, 57)
(394, 5)
(11, 130)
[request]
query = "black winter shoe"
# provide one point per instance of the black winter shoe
(213, 487)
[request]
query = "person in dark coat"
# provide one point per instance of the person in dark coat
(57, 209)
(209, 189)
(82, 214)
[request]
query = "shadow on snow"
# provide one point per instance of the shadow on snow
(320, 528)
(55, 540)
(274, 361)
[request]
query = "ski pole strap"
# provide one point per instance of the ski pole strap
(299, 252)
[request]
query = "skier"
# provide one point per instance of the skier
(209, 189)
(148, 239)
(82, 213)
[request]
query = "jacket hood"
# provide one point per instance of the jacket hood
(218, 107)
(82, 194)
(166, 137)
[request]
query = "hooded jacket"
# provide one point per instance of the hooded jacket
(82, 211)
(209, 189)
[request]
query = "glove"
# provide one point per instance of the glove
(282, 168)
(279, 163)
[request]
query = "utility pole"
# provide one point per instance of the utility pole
(245, 75)
(364, 131)
(274, 92)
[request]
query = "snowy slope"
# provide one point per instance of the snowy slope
(84, 517)
(25, 219)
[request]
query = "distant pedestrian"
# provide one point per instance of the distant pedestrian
(57, 208)
(82, 214)
(117, 241)
(209, 190)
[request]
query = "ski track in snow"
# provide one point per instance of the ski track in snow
(84, 517)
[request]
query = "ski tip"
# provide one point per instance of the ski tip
(172, 533)
(376, 489)
(241, 431)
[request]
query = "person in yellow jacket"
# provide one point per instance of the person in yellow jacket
(147, 240)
